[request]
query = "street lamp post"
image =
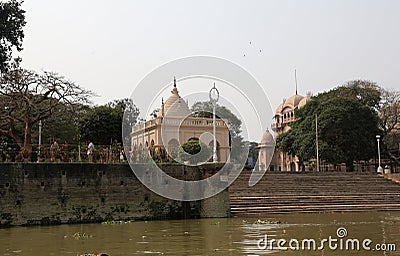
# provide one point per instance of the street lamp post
(40, 139)
(214, 96)
(380, 169)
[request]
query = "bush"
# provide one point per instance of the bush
(194, 151)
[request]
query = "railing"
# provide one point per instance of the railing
(193, 121)
(62, 153)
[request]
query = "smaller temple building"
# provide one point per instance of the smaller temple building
(266, 152)
(175, 125)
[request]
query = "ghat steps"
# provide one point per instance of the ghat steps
(288, 192)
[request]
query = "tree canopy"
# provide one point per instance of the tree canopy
(347, 125)
(104, 124)
(238, 146)
(26, 97)
(194, 151)
(253, 153)
(205, 109)
(12, 21)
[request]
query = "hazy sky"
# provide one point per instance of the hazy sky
(109, 46)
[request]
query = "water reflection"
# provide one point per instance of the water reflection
(236, 236)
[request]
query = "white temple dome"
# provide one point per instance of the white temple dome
(304, 101)
(267, 138)
(279, 109)
(291, 104)
(174, 106)
(293, 101)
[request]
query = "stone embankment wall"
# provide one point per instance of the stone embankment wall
(47, 193)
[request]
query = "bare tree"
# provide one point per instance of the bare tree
(389, 115)
(389, 111)
(27, 97)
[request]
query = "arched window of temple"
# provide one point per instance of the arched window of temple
(173, 146)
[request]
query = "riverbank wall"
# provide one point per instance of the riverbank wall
(60, 193)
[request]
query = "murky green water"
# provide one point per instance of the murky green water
(236, 236)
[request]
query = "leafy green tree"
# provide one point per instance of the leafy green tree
(12, 21)
(205, 109)
(103, 124)
(130, 115)
(347, 130)
(62, 127)
(346, 126)
(366, 92)
(194, 151)
(253, 151)
(8, 149)
(285, 141)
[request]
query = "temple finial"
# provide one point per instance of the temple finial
(162, 107)
(174, 90)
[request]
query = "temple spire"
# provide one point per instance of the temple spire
(174, 90)
(162, 107)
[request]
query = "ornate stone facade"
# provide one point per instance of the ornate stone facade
(174, 125)
(284, 117)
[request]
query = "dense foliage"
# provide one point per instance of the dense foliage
(103, 124)
(239, 148)
(347, 125)
(12, 21)
(194, 151)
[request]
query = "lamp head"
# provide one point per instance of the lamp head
(214, 94)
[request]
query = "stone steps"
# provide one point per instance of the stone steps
(313, 192)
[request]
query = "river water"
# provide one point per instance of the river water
(235, 236)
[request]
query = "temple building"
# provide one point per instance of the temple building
(283, 118)
(175, 125)
(266, 151)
